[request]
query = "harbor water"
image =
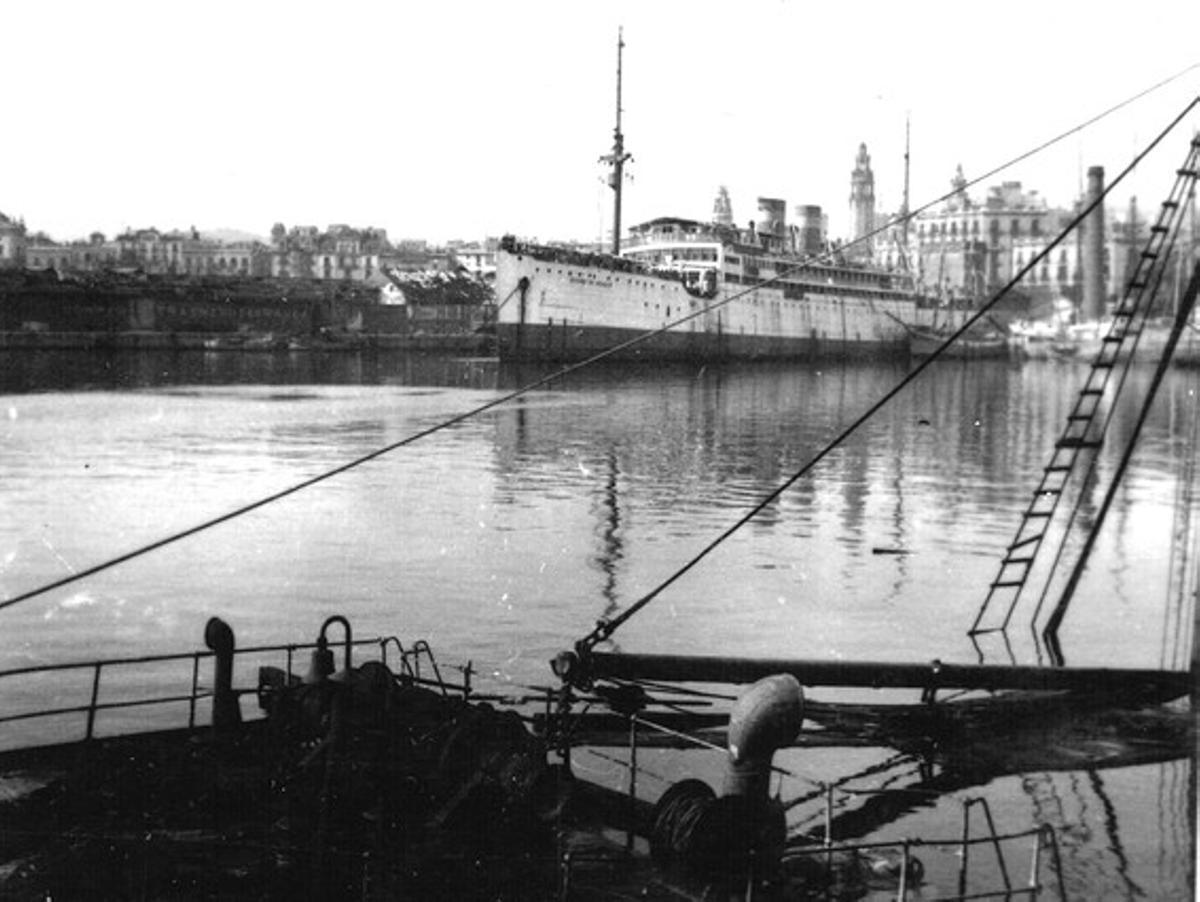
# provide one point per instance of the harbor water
(503, 538)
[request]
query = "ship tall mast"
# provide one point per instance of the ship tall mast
(904, 208)
(618, 157)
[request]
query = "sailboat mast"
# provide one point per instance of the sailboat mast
(618, 157)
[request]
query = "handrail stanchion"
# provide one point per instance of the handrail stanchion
(1058, 874)
(987, 813)
(195, 691)
(1035, 864)
(91, 715)
(966, 845)
(565, 877)
(633, 749)
(828, 838)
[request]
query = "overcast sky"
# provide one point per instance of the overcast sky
(458, 120)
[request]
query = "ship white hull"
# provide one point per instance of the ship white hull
(567, 311)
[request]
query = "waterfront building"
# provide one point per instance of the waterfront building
(340, 252)
(477, 258)
(1058, 275)
(1126, 239)
(12, 243)
(96, 253)
(966, 248)
(41, 252)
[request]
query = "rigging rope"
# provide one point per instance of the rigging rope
(1183, 538)
(567, 370)
(1050, 633)
(605, 628)
(1135, 328)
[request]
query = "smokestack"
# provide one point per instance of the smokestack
(1092, 307)
(772, 216)
(811, 240)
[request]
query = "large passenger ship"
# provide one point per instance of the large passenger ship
(681, 288)
(730, 293)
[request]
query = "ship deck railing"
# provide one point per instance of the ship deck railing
(58, 704)
(826, 850)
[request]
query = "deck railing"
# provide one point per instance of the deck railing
(417, 665)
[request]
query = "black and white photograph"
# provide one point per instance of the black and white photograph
(581, 452)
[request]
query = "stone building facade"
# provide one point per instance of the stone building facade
(966, 248)
(12, 243)
(340, 252)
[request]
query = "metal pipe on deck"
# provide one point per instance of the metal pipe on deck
(883, 675)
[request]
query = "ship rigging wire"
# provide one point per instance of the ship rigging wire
(1135, 329)
(616, 349)
(1050, 633)
(605, 628)
(1185, 549)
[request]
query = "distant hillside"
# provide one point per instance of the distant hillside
(229, 236)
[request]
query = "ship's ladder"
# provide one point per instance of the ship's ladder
(1084, 428)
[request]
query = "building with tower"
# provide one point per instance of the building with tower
(722, 207)
(862, 206)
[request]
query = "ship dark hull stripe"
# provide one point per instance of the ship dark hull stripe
(566, 342)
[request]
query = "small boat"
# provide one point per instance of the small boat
(924, 342)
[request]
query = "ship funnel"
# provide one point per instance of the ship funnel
(772, 216)
(811, 231)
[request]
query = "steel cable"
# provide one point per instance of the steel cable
(567, 370)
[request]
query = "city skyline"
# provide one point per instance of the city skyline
(484, 119)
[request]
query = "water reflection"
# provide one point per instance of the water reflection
(72, 370)
(945, 472)
(505, 540)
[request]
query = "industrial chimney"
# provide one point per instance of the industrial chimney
(1092, 306)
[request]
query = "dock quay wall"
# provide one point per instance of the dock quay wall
(42, 310)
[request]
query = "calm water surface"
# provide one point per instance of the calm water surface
(504, 538)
